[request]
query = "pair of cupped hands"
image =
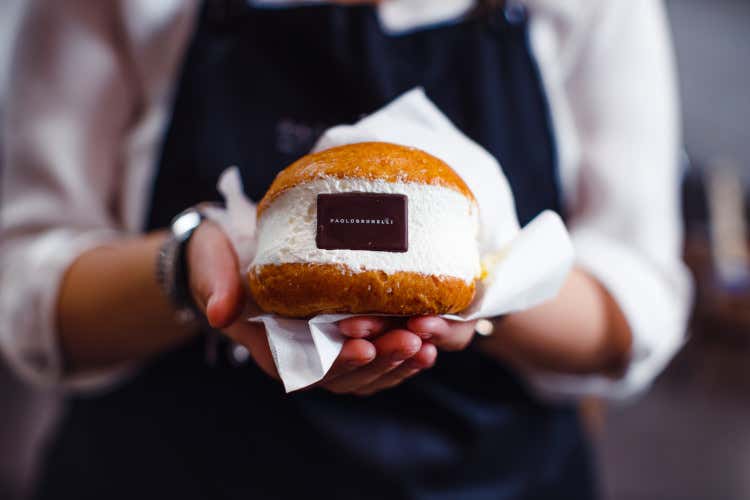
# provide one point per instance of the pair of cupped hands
(379, 353)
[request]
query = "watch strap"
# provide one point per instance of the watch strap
(182, 291)
(172, 271)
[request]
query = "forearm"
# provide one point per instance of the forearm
(581, 331)
(111, 309)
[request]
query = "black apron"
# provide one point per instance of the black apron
(257, 88)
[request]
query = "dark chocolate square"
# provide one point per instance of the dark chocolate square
(363, 221)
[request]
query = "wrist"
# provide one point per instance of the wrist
(172, 269)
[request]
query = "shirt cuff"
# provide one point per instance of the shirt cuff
(32, 270)
(654, 298)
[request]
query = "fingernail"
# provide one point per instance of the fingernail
(424, 335)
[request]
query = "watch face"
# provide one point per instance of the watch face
(186, 222)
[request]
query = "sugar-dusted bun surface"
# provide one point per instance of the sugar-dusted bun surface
(294, 274)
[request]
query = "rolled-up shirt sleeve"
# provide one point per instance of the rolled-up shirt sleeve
(623, 202)
(69, 102)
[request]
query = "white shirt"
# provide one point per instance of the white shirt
(89, 99)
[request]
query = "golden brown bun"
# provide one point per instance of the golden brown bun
(367, 160)
(301, 290)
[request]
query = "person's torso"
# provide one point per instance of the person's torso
(257, 88)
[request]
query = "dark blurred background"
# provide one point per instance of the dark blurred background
(689, 437)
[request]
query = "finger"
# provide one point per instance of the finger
(253, 337)
(355, 354)
(424, 359)
(445, 334)
(214, 275)
(392, 348)
(364, 326)
(421, 361)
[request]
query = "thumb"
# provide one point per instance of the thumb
(214, 275)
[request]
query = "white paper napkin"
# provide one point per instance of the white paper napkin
(526, 266)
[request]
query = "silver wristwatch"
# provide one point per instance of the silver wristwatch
(171, 265)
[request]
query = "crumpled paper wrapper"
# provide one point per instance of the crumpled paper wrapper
(525, 267)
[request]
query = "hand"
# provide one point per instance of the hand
(433, 332)
(400, 354)
(581, 331)
(363, 366)
(445, 334)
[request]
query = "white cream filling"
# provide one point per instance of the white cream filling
(443, 229)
